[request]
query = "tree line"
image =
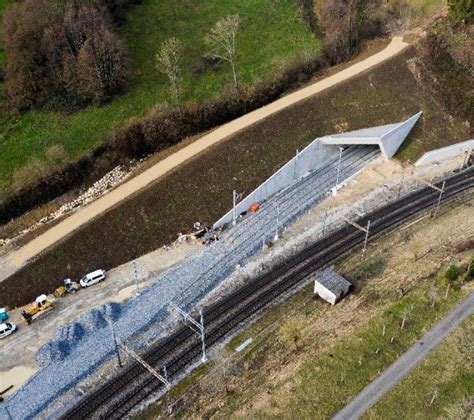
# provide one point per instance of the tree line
(63, 50)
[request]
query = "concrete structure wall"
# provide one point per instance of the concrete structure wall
(388, 137)
(446, 152)
(324, 293)
(391, 141)
(309, 159)
(320, 152)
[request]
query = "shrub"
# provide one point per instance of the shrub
(461, 10)
(470, 271)
(452, 274)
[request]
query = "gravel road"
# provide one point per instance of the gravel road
(14, 261)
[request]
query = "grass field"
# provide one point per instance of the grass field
(271, 33)
(326, 384)
(426, 7)
(446, 375)
(202, 189)
(3, 4)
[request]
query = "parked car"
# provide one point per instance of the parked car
(6, 329)
(92, 278)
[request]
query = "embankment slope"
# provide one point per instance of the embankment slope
(202, 188)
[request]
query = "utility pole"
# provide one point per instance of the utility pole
(439, 199)
(324, 223)
(366, 236)
(440, 190)
(146, 366)
(363, 229)
(200, 331)
(295, 170)
(116, 342)
(277, 223)
(465, 160)
(135, 275)
(339, 166)
(234, 203)
(400, 185)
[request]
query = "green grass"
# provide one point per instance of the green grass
(3, 57)
(325, 384)
(426, 7)
(447, 373)
(271, 33)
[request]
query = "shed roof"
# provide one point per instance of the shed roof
(332, 281)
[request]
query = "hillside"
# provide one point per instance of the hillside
(271, 34)
(201, 189)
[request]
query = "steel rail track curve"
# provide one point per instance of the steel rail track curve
(133, 384)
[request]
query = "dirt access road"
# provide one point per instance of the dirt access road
(17, 352)
(16, 259)
(407, 362)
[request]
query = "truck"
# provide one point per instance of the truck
(40, 307)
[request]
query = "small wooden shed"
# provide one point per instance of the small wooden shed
(330, 286)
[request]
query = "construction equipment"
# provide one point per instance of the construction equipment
(41, 306)
(70, 286)
(254, 208)
(60, 292)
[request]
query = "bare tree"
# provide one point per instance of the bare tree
(168, 62)
(221, 41)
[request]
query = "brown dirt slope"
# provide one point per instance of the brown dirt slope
(201, 189)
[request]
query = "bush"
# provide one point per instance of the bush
(470, 271)
(452, 274)
(461, 10)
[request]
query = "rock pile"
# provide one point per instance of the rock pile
(110, 180)
(99, 188)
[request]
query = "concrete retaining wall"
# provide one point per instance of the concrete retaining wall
(445, 153)
(310, 158)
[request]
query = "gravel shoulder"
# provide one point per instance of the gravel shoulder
(14, 261)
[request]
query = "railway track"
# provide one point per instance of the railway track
(133, 384)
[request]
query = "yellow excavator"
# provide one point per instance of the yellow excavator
(41, 306)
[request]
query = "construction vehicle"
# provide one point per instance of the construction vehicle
(40, 307)
(69, 287)
(60, 292)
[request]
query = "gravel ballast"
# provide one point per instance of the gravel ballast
(79, 348)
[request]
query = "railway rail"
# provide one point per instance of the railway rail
(133, 384)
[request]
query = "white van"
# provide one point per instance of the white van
(92, 278)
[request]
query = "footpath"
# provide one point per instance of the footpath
(10, 263)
